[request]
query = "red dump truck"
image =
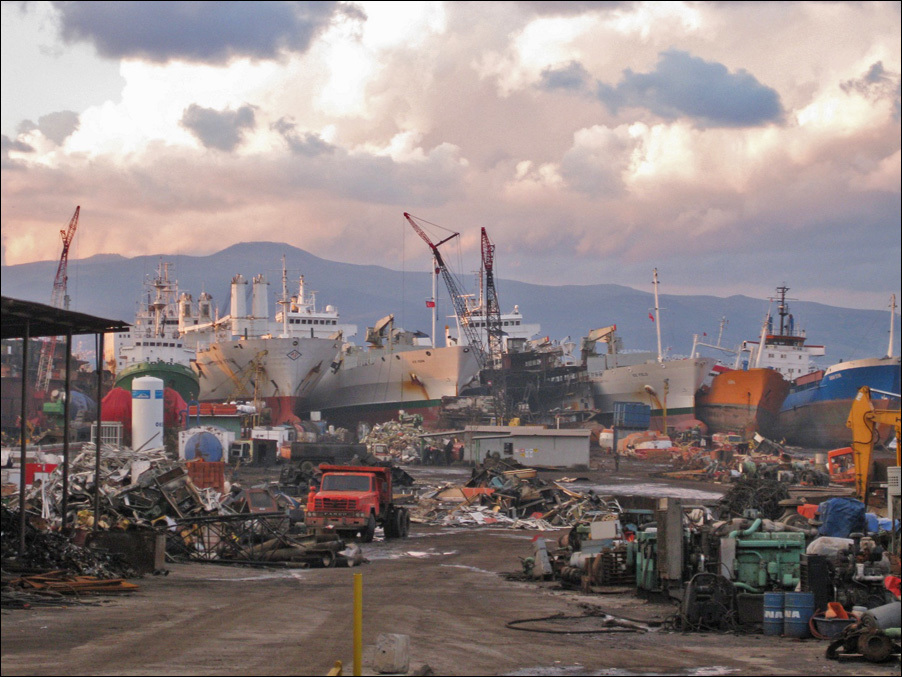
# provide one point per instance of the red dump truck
(355, 500)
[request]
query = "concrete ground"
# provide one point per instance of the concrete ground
(446, 588)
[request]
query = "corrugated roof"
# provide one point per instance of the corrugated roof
(44, 320)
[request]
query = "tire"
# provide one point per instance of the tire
(403, 523)
(390, 525)
(308, 468)
(367, 533)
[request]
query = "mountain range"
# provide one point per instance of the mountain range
(110, 286)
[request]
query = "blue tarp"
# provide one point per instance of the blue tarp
(841, 517)
(877, 524)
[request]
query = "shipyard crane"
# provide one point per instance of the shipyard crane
(58, 299)
(494, 332)
(457, 298)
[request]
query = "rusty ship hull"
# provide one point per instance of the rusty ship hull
(743, 401)
(281, 372)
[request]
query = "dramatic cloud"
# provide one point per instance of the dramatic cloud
(209, 32)
(7, 145)
(572, 77)
(54, 126)
(308, 144)
(877, 84)
(732, 145)
(222, 130)
(686, 86)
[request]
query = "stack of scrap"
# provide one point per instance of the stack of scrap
(762, 496)
(252, 539)
(399, 441)
(51, 551)
(136, 486)
(505, 494)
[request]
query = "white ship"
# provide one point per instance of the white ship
(396, 370)
(667, 386)
(249, 356)
(152, 346)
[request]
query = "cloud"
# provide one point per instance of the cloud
(573, 77)
(7, 145)
(686, 86)
(208, 32)
(222, 130)
(308, 144)
(54, 126)
(877, 84)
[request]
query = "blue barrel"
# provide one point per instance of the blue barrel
(797, 612)
(773, 613)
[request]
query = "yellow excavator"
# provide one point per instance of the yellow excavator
(863, 421)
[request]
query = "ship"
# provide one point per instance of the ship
(276, 364)
(153, 346)
(396, 371)
(747, 398)
(668, 386)
(815, 411)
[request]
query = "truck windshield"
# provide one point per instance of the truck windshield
(346, 483)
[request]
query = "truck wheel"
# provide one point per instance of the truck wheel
(404, 523)
(390, 526)
(366, 535)
(308, 468)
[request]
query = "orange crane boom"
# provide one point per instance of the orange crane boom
(58, 299)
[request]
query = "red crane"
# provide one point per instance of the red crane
(457, 298)
(58, 299)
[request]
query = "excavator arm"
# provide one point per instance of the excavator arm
(863, 420)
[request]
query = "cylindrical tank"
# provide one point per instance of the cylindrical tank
(147, 412)
(883, 617)
(203, 446)
(773, 613)
(798, 608)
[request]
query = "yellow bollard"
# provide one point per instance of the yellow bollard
(358, 623)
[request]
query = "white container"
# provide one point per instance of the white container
(147, 413)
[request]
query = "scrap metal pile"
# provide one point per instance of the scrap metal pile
(765, 460)
(52, 569)
(395, 440)
(505, 494)
(152, 491)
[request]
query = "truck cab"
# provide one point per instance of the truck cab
(355, 500)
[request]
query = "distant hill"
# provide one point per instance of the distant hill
(111, 286)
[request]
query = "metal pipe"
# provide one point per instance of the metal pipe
(66, 412)
(22, 428)
(358, 623)
(98, 344)
(748, 532)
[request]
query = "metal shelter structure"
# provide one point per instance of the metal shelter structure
(26, 320)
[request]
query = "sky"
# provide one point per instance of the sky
(735, 147)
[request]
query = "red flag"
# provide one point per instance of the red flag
(651, 317)
(704, 333)
(430, 304)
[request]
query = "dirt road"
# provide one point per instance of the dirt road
(444, 587)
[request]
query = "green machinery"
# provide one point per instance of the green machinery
(757, 561)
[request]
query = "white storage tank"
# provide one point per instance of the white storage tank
(147, 412)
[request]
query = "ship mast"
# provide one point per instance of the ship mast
(284, 302)
(658, 317)
(435, 273)
(892, 325)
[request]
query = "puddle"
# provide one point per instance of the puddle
(469, 568)
(653, 490)
(565, 670)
